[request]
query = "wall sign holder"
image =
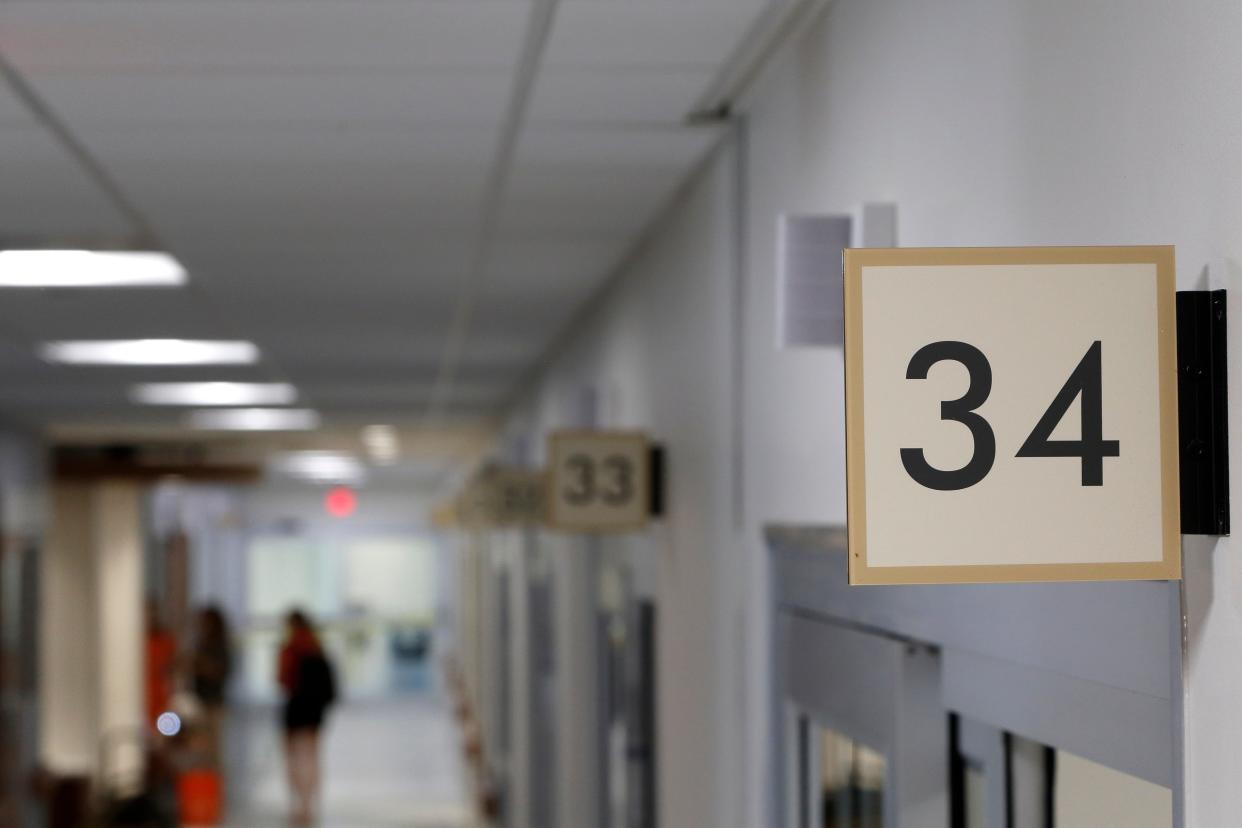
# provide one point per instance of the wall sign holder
(656, 467)
(1203, 411)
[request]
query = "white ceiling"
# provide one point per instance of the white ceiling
(321, 168)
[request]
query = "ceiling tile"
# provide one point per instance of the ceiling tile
(412, 394)
(13, 112)
(374, 262)
(233, 35)
(355, 144)
(614, 192)
(473, 97)
(603, 145)
(552, 270)
(39, 315)
(44, 193)
(649, 32)
(620, 96)
(624, 173)
(215, 200)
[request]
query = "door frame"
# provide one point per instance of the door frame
(1090, 668)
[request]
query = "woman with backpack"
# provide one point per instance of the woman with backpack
(309, 684)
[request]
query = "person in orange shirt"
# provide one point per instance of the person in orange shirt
(161, 660)
(309, 684)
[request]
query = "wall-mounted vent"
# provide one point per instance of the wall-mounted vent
(809, 281)
(876, 225)
(809, 302)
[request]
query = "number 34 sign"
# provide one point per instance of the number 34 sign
(1011, 414)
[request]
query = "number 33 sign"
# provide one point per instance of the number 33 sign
(1011, 414)
(600, 480)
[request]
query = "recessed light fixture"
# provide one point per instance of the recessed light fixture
(214, 393)
(381, 443)
(151, 352)
(320, 466)
(254, 419)
(88, 269)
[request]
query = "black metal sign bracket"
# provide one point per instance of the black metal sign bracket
(1203, 411)
(658, 471)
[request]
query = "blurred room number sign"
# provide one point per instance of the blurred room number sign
(600, 480)
(1011, 414)
(500, 496)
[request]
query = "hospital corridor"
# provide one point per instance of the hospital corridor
(620, 413)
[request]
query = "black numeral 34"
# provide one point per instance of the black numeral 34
(1085, 383)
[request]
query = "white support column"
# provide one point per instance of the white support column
(116, 531)
(68, 653)
(91, 687)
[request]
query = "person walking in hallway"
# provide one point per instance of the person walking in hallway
(309, 685)
(211, 667)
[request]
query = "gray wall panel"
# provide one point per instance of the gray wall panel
(845, 678)
(1114, 633)
(1131, 732)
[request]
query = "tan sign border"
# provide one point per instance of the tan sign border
(643, 473)
(1169, 568)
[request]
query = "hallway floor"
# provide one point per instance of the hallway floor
(387, 764)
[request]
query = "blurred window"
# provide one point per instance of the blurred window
(852, 778)
(391, 577)
(373, 597)
(287, 572)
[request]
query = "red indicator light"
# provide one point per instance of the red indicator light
(340, 502)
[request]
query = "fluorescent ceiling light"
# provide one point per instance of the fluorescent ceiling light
(254, 419)
(320, 466)
(214, 393)
(381, 443)
(151, 352)
(88, 269)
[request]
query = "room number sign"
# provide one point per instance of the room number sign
(1011, 414)
(600, 481)
(500, 496)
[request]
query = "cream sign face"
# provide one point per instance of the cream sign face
(600, 481)
(1011, 414)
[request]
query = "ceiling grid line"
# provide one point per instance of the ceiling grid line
(144, 230)
(542, 16)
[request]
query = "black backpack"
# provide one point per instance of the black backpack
(316, 680)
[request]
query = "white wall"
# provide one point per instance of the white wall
(659, 352)
(1034, 122)
(988, 123)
